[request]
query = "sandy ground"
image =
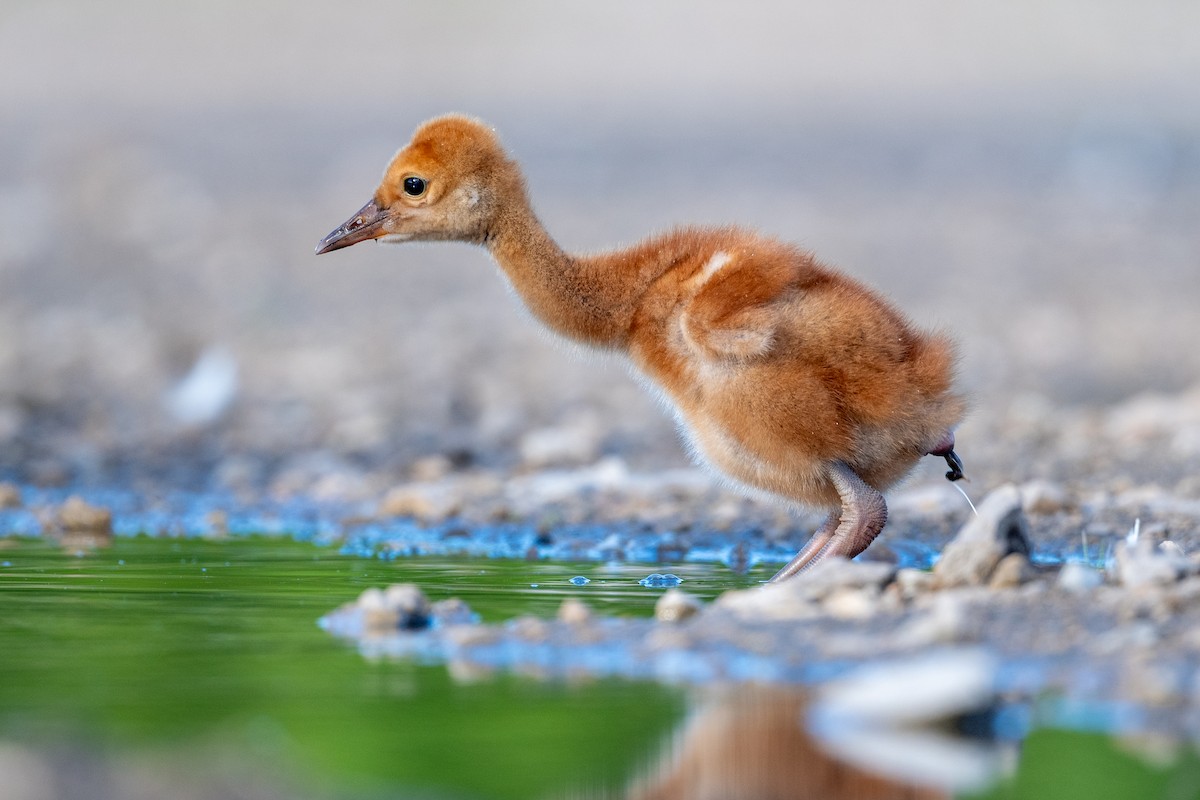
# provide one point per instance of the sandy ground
(1027, 178)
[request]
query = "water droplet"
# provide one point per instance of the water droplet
(661, 580)
(533, 586)
(579, 580)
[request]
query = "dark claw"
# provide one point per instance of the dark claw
(955, 473)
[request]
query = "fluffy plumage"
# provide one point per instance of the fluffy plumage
(788, 376)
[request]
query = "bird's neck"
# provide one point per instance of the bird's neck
(590, 299)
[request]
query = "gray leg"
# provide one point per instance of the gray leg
(847, 532)
(814, 546)
(864, 513)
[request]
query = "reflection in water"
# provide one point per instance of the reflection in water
(904, 718)
(881, 731)
(750, 742)
(79, 772)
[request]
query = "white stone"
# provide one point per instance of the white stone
(1080, 578)
(676, 605)
(997, 530)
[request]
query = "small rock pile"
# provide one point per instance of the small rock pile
(1129, 627)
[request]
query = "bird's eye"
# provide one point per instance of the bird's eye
(414, 186)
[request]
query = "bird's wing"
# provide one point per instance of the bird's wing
(737, 312)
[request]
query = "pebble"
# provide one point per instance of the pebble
(402, 606)
(852, 603)
(428, 502)
(410, 604)
(798, 597)
(10, 496)
(82, 526)
(1148, 416)
(473, 635)
(773, 601)
(77, 515)
(453, 611)
(207, 391)
(999, 529)
(429, 469)
(371, 599)
(375, 615)
(1175, 551)
(1140, 564)
(1043, 497)
(468, 672)
(946, 621)
(830, 575)
(530, 629)
(576, 441)
(1079, 578)
(218, 524)
(912, 582)
(574, 611)
(1013, 570)
(676, 605)
(612, 547)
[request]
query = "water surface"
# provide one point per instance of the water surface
(167, 645)
(199, 663)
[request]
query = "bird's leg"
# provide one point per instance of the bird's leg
(810, 550)
(864, 513)
(848, 531)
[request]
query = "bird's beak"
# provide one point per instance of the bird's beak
(367, 223)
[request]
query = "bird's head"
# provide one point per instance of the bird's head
(442, 185)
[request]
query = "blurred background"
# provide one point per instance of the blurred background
(1026, 175)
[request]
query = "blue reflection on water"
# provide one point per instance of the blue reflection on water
(355, 527)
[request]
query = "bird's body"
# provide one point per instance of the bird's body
(786, 376)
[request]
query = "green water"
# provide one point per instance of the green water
(193, 653)
(1073, 765)
(170, 646)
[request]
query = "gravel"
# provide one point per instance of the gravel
(1065, 632)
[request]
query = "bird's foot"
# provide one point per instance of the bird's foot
(955, 473)
(945, 449)
(811, 551)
